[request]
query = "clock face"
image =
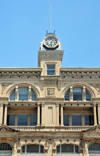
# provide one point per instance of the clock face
(51, 42)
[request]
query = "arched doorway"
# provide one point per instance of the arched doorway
(67, 150)
(94, 149)
(5, 149)
(32, 149)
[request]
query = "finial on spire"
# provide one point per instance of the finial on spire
(50, 15)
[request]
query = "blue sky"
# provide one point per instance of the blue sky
(23, 25)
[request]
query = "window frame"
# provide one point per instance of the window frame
(51, 70)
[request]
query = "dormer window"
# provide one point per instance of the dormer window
(50, 69)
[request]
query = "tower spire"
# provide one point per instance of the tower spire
(50, 15)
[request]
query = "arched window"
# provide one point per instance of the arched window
(5, 146)
(12, 95)
(67, 95)
(67, 148)
(78, 95)
(32, 149)
(94, 148)
(88, 96)
(23, 94)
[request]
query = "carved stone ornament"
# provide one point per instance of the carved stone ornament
(42, 85)
(4, 86)
(59, 85)
(50, 91)
(96, 86)
(50, 83)
(5, 128)
(94, 129)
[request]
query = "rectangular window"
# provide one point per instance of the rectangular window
(50, 69)
(89, 120)
(23, 94)
(33, 120)
(77, 94)
(10, 120)
(22, 120)
(66, 120)
(76, 120)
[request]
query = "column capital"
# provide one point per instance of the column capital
(57, 104)
(83, 115)
(38, 103)
(43, 103)
(16, 87)
(98, 104)
(71, 87)
(62, 104)
(1, 105)
(94, 103)
(70, 115)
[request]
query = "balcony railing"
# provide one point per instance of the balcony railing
(45, 128)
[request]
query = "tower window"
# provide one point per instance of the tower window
(50, 69)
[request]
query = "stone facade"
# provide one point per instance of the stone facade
(50, 105)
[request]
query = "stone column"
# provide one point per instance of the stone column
(38, 114)
(84, 93)
(42, 114)
(1, 113)
(57, 114)
(83, 121)
(70, 119)
(86, 149)
(5, 115)
(16, 93)
(99, 113)
(94, 111)
(71, 93)
(29, 93)
(62, 115)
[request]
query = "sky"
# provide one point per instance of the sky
(23, 25)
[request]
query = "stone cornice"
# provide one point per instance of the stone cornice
(19, 72)
(79, 73)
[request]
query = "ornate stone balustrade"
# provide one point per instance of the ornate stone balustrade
(43, 128)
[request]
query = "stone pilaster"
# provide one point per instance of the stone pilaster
(62, 114)
(94, 112)
(84, 93)
(83, 120)
(71, 93)
(99, 113)
(38, 114)
(1, 114)
(57, 114)
(16, 93)
(70, 119)
(29, 93)
(42, 117)
(5, 115)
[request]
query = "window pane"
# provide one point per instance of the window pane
(77, 93)
(50, 72)
(67, 95)
(23, 93)
(76, 120)
(41, 149)
(94, 147)
(88, 96)
(4, 146)
(33, 120)
(23, 149)
(67, 148)
(22, 120)
(66, 120)
(50, 66)
(12, 96)
(89, 120)
(58, 149)
(76, 149)
(11, 120)
(32, 148)
(33, 95)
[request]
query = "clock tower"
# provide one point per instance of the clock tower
(50, 55)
